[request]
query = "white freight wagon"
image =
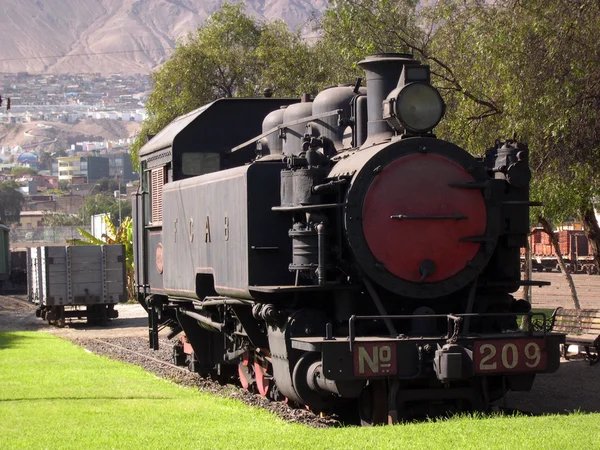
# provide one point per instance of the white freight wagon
(77, 281)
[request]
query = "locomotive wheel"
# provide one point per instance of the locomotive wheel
(315, 401)
(263, 380)
(246, 372)
(373, 404)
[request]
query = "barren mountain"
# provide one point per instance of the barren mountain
(107, 36)
(53, 136)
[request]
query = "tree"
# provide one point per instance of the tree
(11, 202)
(53, 219)
(504, 68)
(217, 61)
(20, 171)
(353, 29)
(231, 55)
(46, 160)
(104, 204)
(289, 66)
(541, 79)
(63, 185)
(110, 185)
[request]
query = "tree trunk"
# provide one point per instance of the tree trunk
(592, 231)
(527, 290)
(527, 275)
(550, 232)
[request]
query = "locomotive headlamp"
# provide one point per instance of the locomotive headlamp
(416, 107)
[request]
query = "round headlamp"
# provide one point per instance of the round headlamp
(418, 107)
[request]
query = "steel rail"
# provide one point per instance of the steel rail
(183, 369)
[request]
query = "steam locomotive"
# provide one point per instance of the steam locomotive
(334, 252)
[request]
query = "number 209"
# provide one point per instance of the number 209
(509, 356)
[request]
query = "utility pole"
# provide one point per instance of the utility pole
(118, 195)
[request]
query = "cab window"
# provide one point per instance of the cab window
(193, 163)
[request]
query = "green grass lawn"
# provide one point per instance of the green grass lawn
(54, 394)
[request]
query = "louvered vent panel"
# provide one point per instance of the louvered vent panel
(158, 180)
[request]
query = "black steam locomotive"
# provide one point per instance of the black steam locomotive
(345, 253)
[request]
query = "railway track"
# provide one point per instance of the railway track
(141, 355)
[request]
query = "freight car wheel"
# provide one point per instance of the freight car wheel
(373, 404)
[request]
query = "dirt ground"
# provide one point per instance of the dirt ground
(558, 293)
(573, 387)
(16, 314)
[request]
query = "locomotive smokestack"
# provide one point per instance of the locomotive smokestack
(383, 72)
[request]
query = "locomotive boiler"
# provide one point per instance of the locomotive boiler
(334, 252)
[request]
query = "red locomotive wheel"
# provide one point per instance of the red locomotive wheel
(413, 218)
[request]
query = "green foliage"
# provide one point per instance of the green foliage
(528, 69)
(22, 170)
(353, 29)
(53, 219)
(46, 160)
(11, 202)
(231, 55)
(56, 192)
(109, 186)
(505, 68)
(104, 203)
(288, 65)
(63, 185)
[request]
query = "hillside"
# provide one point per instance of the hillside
(58, 136)
(107, 36)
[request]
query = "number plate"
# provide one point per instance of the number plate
(374, 359)
(517, 355)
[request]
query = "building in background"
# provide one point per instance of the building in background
(28, 159)
(31, 219)
(86, 169)
(120, 165)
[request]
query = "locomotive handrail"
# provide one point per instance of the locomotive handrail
(454, 320)
(451, 217)
(286, 125)
(306, 207)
